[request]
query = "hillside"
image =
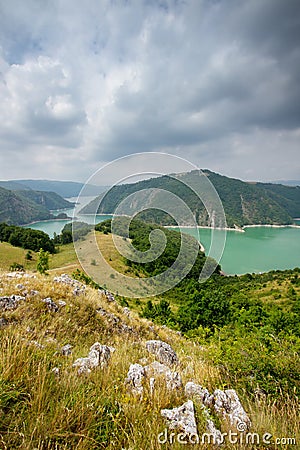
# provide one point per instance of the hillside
(49, 200)
(244, 203)
(76, 369)
(288, 197)
(17, 210)
(21, 207)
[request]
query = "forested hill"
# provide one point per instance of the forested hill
(49, 200)
(244, 203)
(22, 207)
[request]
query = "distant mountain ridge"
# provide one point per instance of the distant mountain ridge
(244, 203)
(65, 189)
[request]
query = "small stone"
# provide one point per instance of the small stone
(126, 311)
(66, 350)
(3, 322)
(61, 303)
(56, 371)
(33, 293)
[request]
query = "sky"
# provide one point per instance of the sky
(214, 81)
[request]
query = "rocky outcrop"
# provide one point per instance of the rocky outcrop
(182, 418)
(137, 374)
(135, 377)
(10, 303)
(172, 379)
(52, 306)
(163, 352)
(225, 403)
(78, 287)
(99, 355)
(228, 406)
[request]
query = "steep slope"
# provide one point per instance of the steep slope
(48, 200)
(17, 210)
(288, 197)
(244, 203)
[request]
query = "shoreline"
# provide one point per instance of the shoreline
(43, 221)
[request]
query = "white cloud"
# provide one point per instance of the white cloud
(84, 83)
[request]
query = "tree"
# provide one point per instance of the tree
(43, 261)
(28, 256)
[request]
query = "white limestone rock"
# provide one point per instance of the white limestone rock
(163, 352)
(182, 418)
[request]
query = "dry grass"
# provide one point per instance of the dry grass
(39, 410)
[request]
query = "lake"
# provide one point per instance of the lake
(258, 249)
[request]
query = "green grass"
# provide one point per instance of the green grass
(10, 254)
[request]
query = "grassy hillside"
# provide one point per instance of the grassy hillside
(45, 404)
(244, 203)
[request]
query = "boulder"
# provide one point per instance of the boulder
(52, 306)
(99, 355)
(227, 404)
(163, 352)
(10, 303)
(172, 378)
(196, 390)
(135, 377)
(182, 418)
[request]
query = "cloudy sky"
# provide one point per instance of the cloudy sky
(214, 81)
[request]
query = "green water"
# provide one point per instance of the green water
(258, 249)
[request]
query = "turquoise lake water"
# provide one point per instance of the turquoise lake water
(258, 249)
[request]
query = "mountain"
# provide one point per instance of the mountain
(288, 197)
(244, 203)
(287, 182)
(25, 206)
(13, 185)
(49, 200)
(17, 210)
(63, 188)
